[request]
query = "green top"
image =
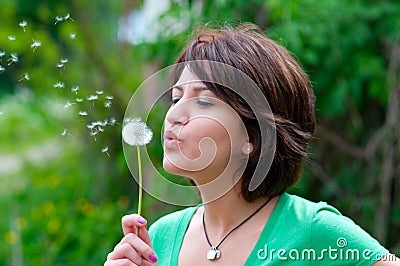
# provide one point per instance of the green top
(298, 231)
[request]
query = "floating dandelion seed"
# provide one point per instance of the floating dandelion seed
(82, 113)
(68, 105)
(99, 92)
(68, 16)
(92, 98)
(23, 24)
(59, 85)
(112, 121)
(90, 126)
(72, 35)
(59, 19)
(103, 123)
(2, 69)
(108, 97)
(79, 100)
(94, 133)
(13, 58)
(2, 53)
(12, 38)
(26, 76)
(75, 89)
(105, 150)
(107, 104)
(62, 63)
(65, 133)
(137, 133)
(35, 44)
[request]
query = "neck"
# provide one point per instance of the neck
(228, 211)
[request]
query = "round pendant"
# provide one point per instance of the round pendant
(213, 254)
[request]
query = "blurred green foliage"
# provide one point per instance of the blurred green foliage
(62, 198)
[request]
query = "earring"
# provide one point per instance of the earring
(247, 148)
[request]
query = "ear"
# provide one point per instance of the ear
(247, 148)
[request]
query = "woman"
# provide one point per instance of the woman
(214, 137)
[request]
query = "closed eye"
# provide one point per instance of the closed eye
(204, 103)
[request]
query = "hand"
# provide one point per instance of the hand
(133, 249)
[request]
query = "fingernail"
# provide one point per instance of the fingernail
(141, 220)
(153, 257)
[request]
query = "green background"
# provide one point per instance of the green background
(62, 198)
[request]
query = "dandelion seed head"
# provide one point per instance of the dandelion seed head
(11, 38)
(136, 132)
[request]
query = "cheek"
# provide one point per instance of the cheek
(204, 143)
(206, 136)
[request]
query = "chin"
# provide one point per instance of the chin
(170, 168)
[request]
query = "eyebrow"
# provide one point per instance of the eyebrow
(196, 88)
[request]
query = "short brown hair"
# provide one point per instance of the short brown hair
(286, 88)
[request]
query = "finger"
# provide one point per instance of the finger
(140, 247)
(130, 222)
(125, 251)
(144, 235)
(119, 262)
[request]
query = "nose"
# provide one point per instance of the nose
(178, 113)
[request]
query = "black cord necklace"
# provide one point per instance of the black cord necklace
(214, 253)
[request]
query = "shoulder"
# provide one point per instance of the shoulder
(320, 227)
(170, 223)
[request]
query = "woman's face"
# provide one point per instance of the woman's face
(203, 135)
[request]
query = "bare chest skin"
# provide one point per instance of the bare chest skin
(234, 250)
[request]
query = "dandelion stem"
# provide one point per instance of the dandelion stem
(140, 180)
(140, 183)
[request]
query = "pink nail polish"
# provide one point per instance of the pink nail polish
(153, 257)
(141, 220)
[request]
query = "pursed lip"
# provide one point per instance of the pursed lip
(170, 139)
